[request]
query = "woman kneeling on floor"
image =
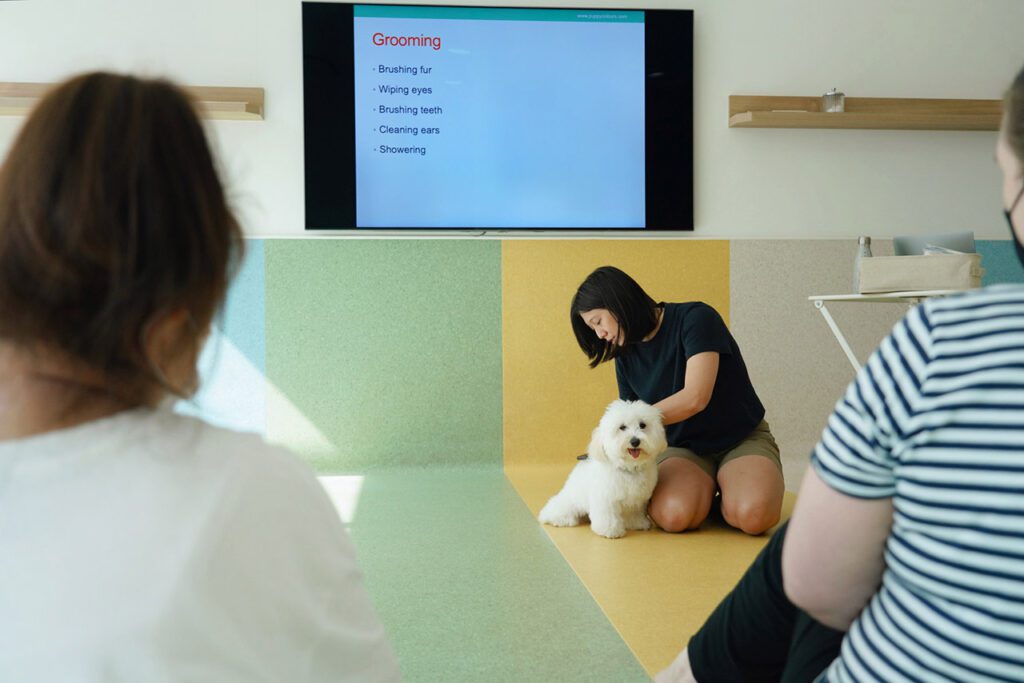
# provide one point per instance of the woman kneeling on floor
(682, 359)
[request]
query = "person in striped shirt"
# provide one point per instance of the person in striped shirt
(904, 557)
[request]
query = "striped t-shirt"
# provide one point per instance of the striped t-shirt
(935, 421)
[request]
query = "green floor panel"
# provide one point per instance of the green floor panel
(470, 588)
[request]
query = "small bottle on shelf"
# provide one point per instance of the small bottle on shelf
(863, 251)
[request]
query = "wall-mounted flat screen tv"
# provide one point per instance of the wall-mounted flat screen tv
(497, 118)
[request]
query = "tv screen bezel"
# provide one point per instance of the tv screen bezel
(329, 121)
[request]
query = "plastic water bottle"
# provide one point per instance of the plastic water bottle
(863, 251)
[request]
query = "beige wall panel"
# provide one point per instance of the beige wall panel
(796, 364)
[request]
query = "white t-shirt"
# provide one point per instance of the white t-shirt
(149, 546)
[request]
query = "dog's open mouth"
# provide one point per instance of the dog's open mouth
(635, 452)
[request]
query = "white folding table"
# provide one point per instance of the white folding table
(889, 298)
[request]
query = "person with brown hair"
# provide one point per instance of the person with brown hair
(904, 557)
(136, 544)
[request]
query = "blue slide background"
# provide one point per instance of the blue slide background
(542, 125)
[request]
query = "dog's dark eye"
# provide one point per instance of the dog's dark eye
(622, 427)
(643, 426)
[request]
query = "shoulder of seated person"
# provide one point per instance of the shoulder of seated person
(221, 448)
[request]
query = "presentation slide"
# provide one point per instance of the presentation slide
(498, 117)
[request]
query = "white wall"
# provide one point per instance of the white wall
(749, 183)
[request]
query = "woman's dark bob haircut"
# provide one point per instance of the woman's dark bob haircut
(111, 214)
(611, 289)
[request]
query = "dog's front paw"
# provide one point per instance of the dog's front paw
(639, 523)
(609, 530)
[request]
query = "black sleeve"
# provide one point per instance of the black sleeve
(626, 392)
(704, 330)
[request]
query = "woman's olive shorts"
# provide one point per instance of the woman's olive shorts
(758, 442)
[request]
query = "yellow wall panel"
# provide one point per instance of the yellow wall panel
(551, 399)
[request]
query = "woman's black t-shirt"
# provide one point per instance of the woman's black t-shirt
(656, 369)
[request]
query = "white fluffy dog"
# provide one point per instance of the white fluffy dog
(613, 484)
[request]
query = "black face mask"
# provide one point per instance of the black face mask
(1013, 233)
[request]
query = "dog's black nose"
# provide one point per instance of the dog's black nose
(634, 442)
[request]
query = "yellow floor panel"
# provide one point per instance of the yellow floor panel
(655, 588)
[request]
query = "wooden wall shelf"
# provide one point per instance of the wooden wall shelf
(214, 102)
(759, 111)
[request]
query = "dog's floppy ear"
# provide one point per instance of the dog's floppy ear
(595, 451)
